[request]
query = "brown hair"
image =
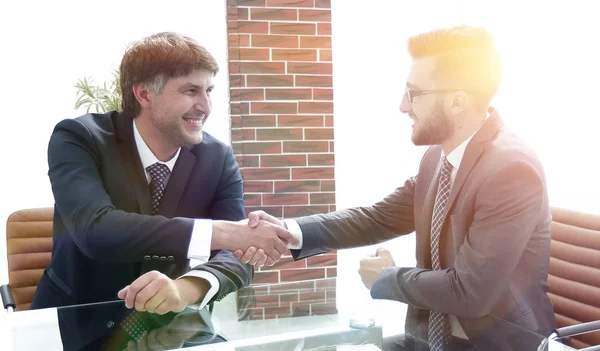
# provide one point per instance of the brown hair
(155, 59)
(466, 58)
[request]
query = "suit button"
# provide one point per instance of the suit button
(171, 258)
(163, 258)
(110, 324)
(147, 257)
(155, 257)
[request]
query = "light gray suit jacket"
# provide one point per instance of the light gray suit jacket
(494, 245)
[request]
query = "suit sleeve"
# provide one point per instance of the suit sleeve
(99, 229)
(507, 210)
(228, 205)
(387, 219)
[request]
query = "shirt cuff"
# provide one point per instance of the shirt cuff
(294, 228)
(212, 281)
(201, 240)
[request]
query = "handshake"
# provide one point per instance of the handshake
(260, 240)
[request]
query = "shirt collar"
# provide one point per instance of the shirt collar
(146, 155)
(455, 156)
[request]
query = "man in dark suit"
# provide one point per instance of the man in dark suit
(143, 195)
(478, 206)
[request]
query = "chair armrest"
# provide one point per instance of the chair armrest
(572, 330)
(7, 298)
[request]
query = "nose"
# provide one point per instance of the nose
(203, 104)
(405, 105)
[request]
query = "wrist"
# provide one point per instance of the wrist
(191, 289)
(220, 236)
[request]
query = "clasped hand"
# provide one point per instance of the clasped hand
(261, 223)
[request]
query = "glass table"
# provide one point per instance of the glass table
(297, 316)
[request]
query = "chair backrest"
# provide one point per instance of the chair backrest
(574, 276)
(29, 248)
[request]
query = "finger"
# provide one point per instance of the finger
(254, 217)
(123, 292)
(258, 256)
(281, 247)
(248, 254)
(270, 261)
(286, 236)
(137, 286)
(131, 346)
(142, 342)
(263, 260)
(238, 253)
(274, 254)
(369, 261)
(149, 291)
(157, 290)
(382, 252)
(151, 341)
(166, 337)
(163, 308)
(154, 302)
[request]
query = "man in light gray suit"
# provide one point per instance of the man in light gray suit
(478, 206)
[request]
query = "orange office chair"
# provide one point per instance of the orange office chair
(29, 248)
(574, 275)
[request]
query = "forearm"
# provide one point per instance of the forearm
(223, 236)
(231, 273)
(109, 234)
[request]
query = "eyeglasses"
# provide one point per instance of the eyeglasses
(411, 94)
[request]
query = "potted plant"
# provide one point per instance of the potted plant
(99, 99)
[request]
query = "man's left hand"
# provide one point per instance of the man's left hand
(154, 292)
(371, 266)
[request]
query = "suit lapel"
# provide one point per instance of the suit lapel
(474, 150)
(177, 183)
(133, 164)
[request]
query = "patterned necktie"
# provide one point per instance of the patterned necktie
(158, 172)
(439, 326)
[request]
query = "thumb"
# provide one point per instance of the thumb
(253, 218)
(238, 253)
(381, 252)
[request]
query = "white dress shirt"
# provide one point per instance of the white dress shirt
(199, 249)
(455, 158)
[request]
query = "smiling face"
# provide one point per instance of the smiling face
(178, 112)
(431, 123)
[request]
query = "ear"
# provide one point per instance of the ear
(141, 95)
(456, 103)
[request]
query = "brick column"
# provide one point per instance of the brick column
(281, 97)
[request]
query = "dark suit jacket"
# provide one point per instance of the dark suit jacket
(495, 240)
(104, 234)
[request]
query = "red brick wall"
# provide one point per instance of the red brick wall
(281, 92)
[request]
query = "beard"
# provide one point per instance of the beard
(172, 130)
(433, 130)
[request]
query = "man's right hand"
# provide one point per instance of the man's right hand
(256, 216)
(252, 255)
(266, 236)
